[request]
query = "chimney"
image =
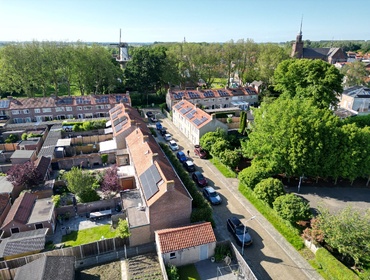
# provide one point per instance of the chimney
(213, 116)
(170, 185)
(197, 88)
(127, 93)
(154, 157)
(145, 138)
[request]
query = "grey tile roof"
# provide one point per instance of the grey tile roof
(357, 91)
(51, 140)
(23, 154)
(48, 268)
(23, 242)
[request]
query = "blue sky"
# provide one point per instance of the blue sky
(172, 20)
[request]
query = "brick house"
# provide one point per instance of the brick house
(194, 122)
(356, 99)
(24, 110)
(240, 97)
(186, 245)
(29, 213)
(4, 206)
(158, 191)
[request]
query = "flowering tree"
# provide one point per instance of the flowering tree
(24, 174)
(110, 180)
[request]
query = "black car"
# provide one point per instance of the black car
(149, 114)
(162, 131)
(240, 232)
(199, 179)
(189, 165)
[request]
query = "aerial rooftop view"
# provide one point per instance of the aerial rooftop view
(171, 140)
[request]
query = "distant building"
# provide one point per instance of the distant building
(330, 55)
(356, 99)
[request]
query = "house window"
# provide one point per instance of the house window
(26, 111)
(79, 108)
(28, 119)
(87, 108)
(46, 110)
(173, 255)
(68, 109)
(15, 112)
(18, 120)
(37, 110)
(59, 109)
(70, 116)
(38, 226)
(80, 116)
(107, 106)
(14, 230)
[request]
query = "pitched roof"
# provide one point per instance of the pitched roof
(23, 242)
(175, 239)
(42, 164)
(21, 209)
(4, 201)
(194, 115)
(46, 268)
(357, 91)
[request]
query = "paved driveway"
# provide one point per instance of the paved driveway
(270, 256)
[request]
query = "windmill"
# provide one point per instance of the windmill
(123, 55)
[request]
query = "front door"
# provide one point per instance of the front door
(203, 253)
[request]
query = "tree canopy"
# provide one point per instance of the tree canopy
(306, 78)
(25, 174)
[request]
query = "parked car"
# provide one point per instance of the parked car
(189, 165)
(162, 131)
(239, 231)
(167, 137)
(199, 179)
(212, 196)
(149, 114)
(173, 145)
(181, 156)
(158, 125)
(198, 150)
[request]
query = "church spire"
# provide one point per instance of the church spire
(297, 48)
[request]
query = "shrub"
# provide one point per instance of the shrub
(252, 175)
(172, 272)
(292, 208)
(56, 200)
(122, 230)
(269, 189)
(221, 251)
(104, 158)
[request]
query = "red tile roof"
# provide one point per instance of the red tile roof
(175, 239)
(199, 114)
(21, 209)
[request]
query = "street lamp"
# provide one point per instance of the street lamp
(245, 227)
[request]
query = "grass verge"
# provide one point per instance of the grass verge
(291, 234)
(188, 272)
(226, 171)
(89, 235)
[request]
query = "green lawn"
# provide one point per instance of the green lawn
(226, 171)
(188, 272)
(84, 236)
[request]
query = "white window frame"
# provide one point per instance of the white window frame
(26, 111)
(107, 106)
(79, 108)
(46, 110)
(37, 111)
(15, 112)
(69, 109)
(172, 255)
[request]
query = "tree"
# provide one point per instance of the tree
(122, 230)
(355, 74)
(12, 138)
(25, 174)
(219, 146)
(269, 189)
(348, 231)
(110, 181)
(242, 122)
(81, 183)
(295, 137)
(306, 78)
(208, 139)
(230, 158)
(255, 173)
(292, 208)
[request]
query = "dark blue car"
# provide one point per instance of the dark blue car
(158, 125)
(181, 156)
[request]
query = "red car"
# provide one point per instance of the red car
(200, 152)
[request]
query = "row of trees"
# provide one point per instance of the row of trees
(49, 67)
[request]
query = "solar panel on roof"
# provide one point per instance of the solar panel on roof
(190, 114)
(114, 109)
(185, 110)
(149, 180)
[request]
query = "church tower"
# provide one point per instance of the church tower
(297, 48)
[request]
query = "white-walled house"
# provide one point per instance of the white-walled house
(185, 245)
(194, 122)
(356, 99)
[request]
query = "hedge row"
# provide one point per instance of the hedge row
(202, 210)
(332, 267)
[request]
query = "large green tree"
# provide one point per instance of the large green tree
(355, 74)
(348, 231)
(292, 208)
(306, 78)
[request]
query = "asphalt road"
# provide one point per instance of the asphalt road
(270, 256)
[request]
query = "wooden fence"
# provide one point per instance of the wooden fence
(85, 255)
